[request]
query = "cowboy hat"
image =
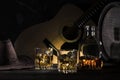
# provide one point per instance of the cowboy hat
(9, 60)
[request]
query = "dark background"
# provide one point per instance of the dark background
(18, 15)
(21, 14)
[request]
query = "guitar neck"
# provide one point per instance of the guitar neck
(90, 13)
(49, 44)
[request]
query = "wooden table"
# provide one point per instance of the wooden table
(107, 73)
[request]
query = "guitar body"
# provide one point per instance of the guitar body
(33, 37)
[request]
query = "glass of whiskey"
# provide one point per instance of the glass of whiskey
(67, 61)
(43, 59)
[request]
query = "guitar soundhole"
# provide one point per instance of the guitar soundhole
(70, 33)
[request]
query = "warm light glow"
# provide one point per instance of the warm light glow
(91, 63)
(64, 52)
(81, 53)
(55, 59)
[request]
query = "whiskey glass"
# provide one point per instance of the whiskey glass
(67, 61)
(43, 59)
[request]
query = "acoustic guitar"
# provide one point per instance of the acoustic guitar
(69, 15)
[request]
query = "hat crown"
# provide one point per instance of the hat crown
(7, 53)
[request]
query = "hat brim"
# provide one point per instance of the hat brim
(24, 62)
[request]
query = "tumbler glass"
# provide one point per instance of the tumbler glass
(67, 61)
(43, 59)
